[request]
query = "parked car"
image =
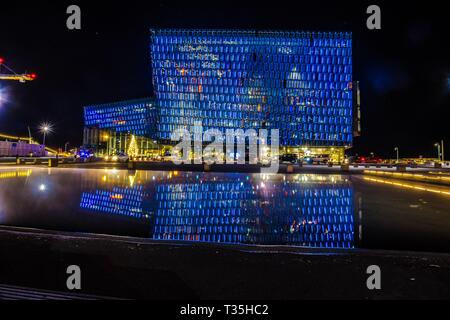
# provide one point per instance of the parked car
(84, 154)
(318, 159)
(266, 161)
(289, 158)
(156, 158)
(369, 160)
(167, 156)
(118, 157)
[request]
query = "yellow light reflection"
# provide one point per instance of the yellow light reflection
(408, 175)
(15, 174)
(131, 180)
(443, 191)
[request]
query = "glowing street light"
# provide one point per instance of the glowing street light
(396, 149)
(438, 146)
(45, 128)
(106, 138)
(442, 150)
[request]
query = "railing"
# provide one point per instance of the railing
(36, 160)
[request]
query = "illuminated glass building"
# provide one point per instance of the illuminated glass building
(109, 127)
(298, 82)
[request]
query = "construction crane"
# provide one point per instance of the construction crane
(11, 75)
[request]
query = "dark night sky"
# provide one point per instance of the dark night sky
(403, 68)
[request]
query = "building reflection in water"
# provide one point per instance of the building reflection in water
(120, 201)
(304, 210)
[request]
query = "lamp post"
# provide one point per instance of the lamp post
(45, 128)
(106, 137)
(156, 142)
(396, 149)
(438, 146)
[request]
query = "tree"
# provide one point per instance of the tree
(133, 148)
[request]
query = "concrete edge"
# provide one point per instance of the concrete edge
(244, 248)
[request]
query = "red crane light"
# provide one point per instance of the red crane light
(33, 76)
(1, 60)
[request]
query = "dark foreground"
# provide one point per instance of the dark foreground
(142, 269)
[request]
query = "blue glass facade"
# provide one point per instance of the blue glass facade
(118, 201)
(313, 214)
(306, 210)
(298, 82)
(137, 117)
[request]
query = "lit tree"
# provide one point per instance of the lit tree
(133, 148)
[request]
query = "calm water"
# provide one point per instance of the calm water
(309, 210)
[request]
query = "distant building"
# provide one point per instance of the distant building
(109, 127)
(298, 82)
(21, 149)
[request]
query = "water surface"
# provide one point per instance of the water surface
(311, 210)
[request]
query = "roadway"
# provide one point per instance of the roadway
(167, 165)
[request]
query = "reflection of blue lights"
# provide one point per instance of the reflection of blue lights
(118, 201)
(234, 212)
(237, 209)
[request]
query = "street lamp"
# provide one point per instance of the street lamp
(106, 137)
(45, 128)
(396, 149)
(438, 146)
(157, 144)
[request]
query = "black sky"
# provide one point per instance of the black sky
(403, 68)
